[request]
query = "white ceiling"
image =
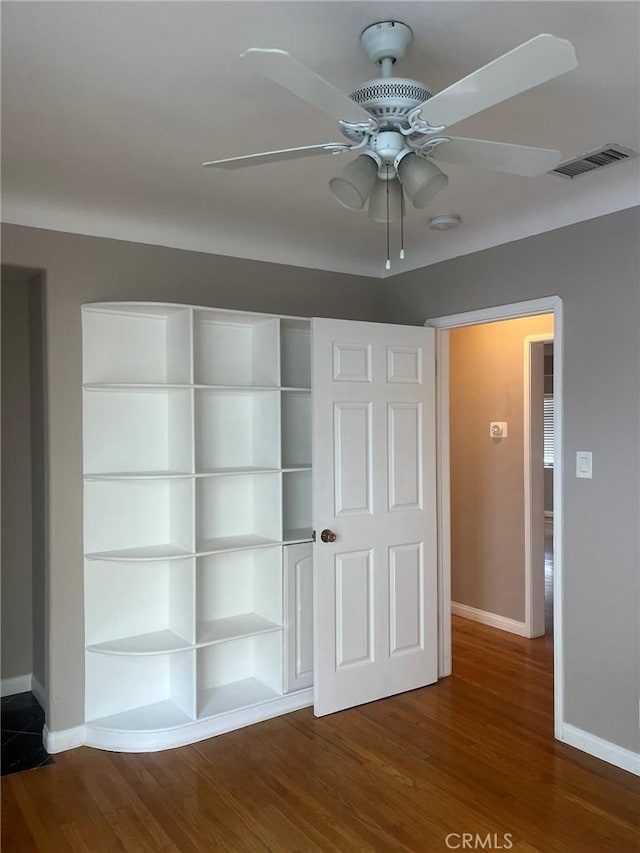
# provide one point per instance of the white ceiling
(108, 109)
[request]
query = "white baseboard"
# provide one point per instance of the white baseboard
(503, 623)
(152, 741)
(39, 692)
(63, 740)
(603, 749)
(17, 684)
(117, 740)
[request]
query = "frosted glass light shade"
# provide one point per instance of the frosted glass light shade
(378, 201)
(421, 179)
(354, 184)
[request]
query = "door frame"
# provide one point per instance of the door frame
(442, 325)
(533, 494)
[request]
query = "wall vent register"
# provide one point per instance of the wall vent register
(594, 160)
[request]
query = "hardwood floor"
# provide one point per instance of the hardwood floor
(473, 754)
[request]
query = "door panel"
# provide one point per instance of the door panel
(352, 458)
(405, 456)
(406, 605)
(298, 632)
(374, 470)
(354, 608)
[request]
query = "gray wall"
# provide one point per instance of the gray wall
(486, 382)
(595, 267)
(17, 628)
(87, 269)
(39, 523)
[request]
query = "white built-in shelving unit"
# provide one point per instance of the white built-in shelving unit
(197, 470)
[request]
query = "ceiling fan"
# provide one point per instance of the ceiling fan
(397, 125)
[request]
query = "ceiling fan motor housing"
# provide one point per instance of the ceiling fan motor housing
(390, 99)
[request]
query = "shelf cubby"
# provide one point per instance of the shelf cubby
(239, 674)
(295, 353)
(237, 429)
(141, 343)
(238, 594)
(138, 519)
(136, 432)
(237, 511)
(140, 692)
(235, 349)
(296, 429)
(139, 608)
(296, 506)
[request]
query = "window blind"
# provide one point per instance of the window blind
(548, 429)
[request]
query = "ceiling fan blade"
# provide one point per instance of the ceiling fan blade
(287, 72)
(276, 156)
(540, 59)
(497, 156)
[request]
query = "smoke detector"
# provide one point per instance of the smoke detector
(444, 222)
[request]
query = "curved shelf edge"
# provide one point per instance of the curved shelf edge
(115, 557)
(102, 736)
(164, 642)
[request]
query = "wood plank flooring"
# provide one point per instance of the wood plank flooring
(472, 754)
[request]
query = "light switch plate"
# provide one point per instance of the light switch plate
(584, 466)
(498, 429)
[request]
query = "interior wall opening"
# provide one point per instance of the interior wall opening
(23, 525)
(483, 503)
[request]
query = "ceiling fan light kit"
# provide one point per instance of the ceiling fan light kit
(396, 125)
(386, 203)
(421, 179)
(353, 186)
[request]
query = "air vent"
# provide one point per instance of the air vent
(606, 156)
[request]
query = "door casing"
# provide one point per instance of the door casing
(534, 581)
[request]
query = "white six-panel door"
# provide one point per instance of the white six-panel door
(374, 470)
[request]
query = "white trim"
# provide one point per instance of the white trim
(117, 740)
(503, 623)
(600, 748)
(65, 739)
(444, 519)
(545, 305)
(533, 603)
(15, 684)
(39, 692)
(558, 503)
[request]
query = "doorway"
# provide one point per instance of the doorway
(23, 517)
(444, 325)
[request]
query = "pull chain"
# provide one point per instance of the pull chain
(387, 266)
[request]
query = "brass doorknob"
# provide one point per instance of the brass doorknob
(328, 536)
